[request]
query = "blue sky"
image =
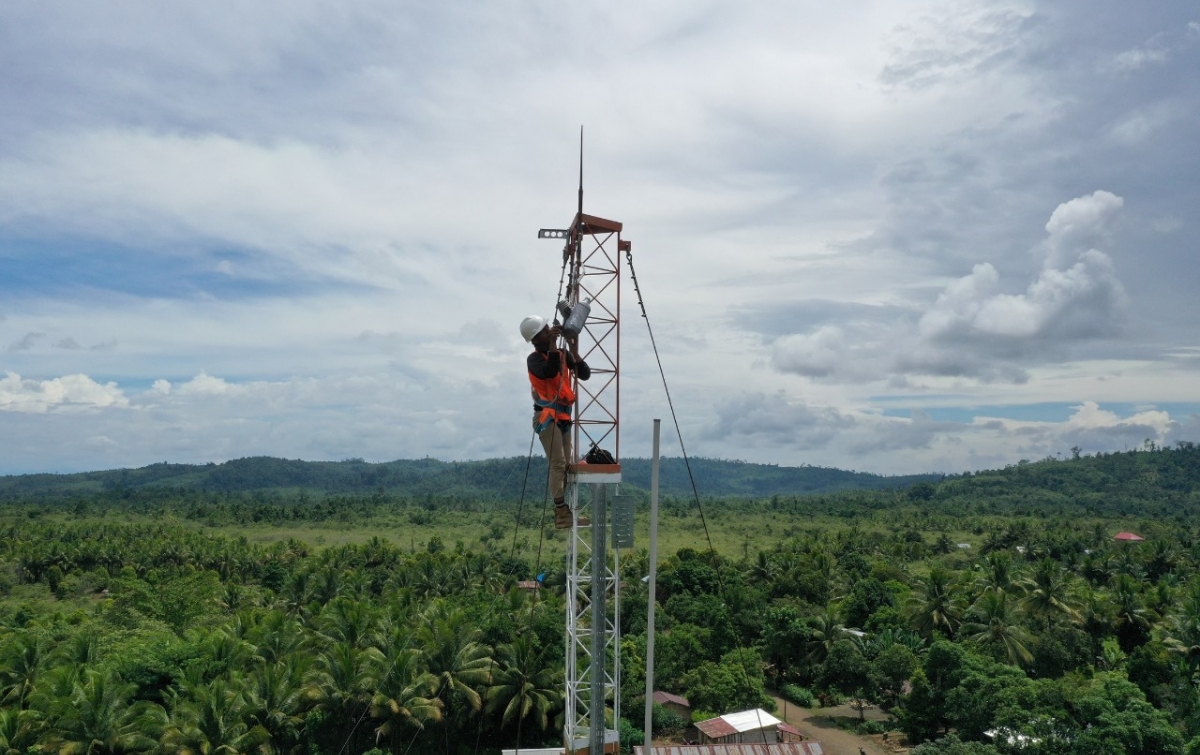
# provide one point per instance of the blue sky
(896, 237)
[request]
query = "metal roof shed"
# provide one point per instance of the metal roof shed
(744, 726)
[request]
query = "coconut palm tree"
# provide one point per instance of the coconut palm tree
(297, 593)
(765, 569)
(276, 637)
(994, 623)
(405, 700)
(224, 648)
(1127, 562)
(1133, 621)
(348, 621)
(935, 604)
(998, 574)
(214, 720)
(1049, 594)
(24, 658)
(18, 730)
(80, 650)
(274, 698)
(1162, 559)
(1183, 629)
(342, 682)
(428, 579)
(526, 687)
(1096, 568)
(327, 584)
(824, 636)
(453, 653)
(98, 719)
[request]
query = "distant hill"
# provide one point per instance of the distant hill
(487, 479)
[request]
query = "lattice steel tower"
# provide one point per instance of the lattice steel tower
(592, 254)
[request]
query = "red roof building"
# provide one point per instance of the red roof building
(1128, 537)
(674, 703)
(662, 698)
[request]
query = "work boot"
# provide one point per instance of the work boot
(562, 517)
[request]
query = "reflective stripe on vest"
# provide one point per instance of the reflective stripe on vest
(554, 396)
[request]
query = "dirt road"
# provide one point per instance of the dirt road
(816, 725)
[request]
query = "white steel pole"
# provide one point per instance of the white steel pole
(651, 592)
(599, 611)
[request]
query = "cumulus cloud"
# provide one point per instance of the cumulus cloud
(1080, 225)
(1090, 428)
(1089, 416)
(1076, 296)
(69, 392)
(1083, 301)
(203, 385)
(974, 328)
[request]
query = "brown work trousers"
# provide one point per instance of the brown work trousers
(557, 443)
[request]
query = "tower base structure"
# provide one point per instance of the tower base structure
(593, 668)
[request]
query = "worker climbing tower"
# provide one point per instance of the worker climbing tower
(592, 258)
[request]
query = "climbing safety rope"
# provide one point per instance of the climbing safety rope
(712, 551)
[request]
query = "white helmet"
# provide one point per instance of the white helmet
(531, 326)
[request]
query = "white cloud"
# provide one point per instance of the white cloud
(203, 385)
(815, 354)
(976, 329)
(1084, 301)
(1154, 51)
(1089, 416)
(1090, 428)
(779, 428)
(957, 43)
(1157, 50)
(66, 393)
(1079, 225)
(289, 221)
(378, 416)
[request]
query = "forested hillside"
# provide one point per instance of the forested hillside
(132, 621)
(491, 479)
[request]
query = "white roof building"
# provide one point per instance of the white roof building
(744, 726)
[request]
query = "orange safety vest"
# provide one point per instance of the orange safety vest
(554, 396)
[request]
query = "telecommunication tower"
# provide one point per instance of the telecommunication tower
(592, 256)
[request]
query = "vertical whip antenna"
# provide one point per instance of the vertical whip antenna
(581, 173)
